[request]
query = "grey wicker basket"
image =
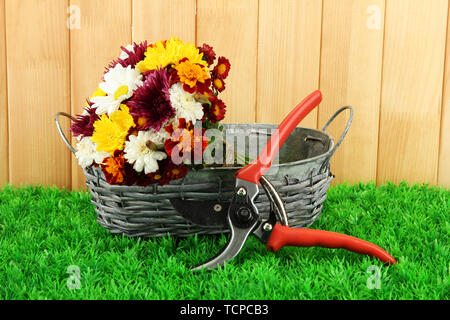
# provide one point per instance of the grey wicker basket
(302, 177)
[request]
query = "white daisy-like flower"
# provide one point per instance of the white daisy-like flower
(185, 104)
(141, 150)
(159, 137)
(119, 85)
(123, 54)
(87, 153)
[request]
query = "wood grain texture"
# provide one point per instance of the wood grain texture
(105, 27)
(444, 150)
(161, 19)
(351, 64)
(239, 44)
(3, 102)
(395, 75)
(288, 57)
(38, 87)
(415, 36)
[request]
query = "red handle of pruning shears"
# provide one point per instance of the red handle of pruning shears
(285, 236)
(257, 168)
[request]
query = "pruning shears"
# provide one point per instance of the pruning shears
(242, 216)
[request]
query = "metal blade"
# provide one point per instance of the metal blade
(203, 213)
(242, 219)
(277, 205)
(233, 247)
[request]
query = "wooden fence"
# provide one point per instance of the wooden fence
(387, 58)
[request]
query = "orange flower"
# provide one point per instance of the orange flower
(113, 169)
(191, 73)
(185, 139)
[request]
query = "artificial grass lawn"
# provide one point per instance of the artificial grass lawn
(43, 231)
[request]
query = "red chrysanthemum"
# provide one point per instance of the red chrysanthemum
(142, 179)
(208, 53)
(173, 171)
(217, 110)
(134, 56)
(158, 176)
(83, 125)
(151, 106)
(209, 94)
(218, 83)
(222, 68)
(173, 75)
(199, 87)
(131, 176)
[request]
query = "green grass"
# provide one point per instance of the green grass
(43, 231)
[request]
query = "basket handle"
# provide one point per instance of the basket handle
(61, 133)
(347, 127)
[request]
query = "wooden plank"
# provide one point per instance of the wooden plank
(3, 102)
(161, 19)
(288, 57)
(351, 63)
(239, 44)
(415, 36)
(38, 87)
(444, 150)
(105, 26)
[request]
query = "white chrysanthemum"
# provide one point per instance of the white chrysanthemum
(123, 54)
(159, 137)
(141, 151)
(119, 85)
(87, 153)
(184, 103)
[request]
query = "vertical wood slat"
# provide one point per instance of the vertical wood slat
(161, 19)
(105, 27)
(289, 43)
(38, 87)
(3, 101)
(444, 154)
(288, 57)
(351, 64)
(231, 27)
(412, 90)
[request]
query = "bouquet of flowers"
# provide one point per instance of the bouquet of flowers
(151, 110)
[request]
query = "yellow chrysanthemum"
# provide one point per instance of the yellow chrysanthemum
(190, 73)
(160, 55)
(110, 132)
(123, 118)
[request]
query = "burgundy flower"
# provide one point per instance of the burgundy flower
(167, 172)
(83, 125)
(222, 68)
(208, 53)
(134, 56)
(151, 106)
(158, 176)
(175, 172)
(218, 82)
(217, 110)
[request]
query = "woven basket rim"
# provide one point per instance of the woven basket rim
(290, 163)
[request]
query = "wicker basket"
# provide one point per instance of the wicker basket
(302, 177)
